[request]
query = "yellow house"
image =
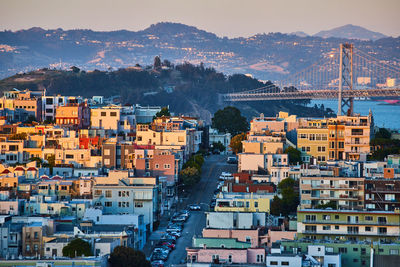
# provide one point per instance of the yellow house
(243, 202)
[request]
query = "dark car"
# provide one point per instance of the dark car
(232, 160)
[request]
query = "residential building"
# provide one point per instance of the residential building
(243, 202)
(351, 225)
(235, 220)
(382, 194)
(357, 254)
(73, 115)
(340, 192)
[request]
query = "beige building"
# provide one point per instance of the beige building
(341, 192)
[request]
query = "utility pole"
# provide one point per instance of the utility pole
(345, 78)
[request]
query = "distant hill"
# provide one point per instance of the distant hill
(350, 31)
(186, 88)
(299, 33)
(270, 56)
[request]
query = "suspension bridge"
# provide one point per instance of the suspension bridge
(344, 74)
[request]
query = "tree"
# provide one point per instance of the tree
(276, 206)
(128, 257)
(218, 145)
(236, 143)
(294, 155)
(190, 176)
(163, 112)
(77, 248)
(230, 120)
(290, 198)
(383, 133)
(75, 69)
(157, 63)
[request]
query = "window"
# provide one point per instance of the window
(138, 204)
(343, 250)
(69, 156)
(230, 258)
(108, 204)
(326, 217)
(369, 218)
(355, 249)
(256, 204)
(273, 263)
(260, 258)
(98, 192)
(363, 251)
(285, 263)
(326, 227)
(394, 252)
(113, 114)
(157, 166)
(368, 229)
(390, 197)
(336, 227)
(108, 193)
(331, 265)
(167, 166)
(103, 114)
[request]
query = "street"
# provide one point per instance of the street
(201, 195)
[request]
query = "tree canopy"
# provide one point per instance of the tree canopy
(77, 248)
(294, 155)
(128, 257)
(236, 142)
(290, 198)
(230, 120)
(163, 112)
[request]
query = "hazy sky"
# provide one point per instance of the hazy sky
(230, 18)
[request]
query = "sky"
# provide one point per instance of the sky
(231, 18)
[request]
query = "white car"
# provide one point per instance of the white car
(194, 207)
(226, 176)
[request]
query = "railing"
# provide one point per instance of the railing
(354, 222)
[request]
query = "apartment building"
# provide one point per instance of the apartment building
(51, 103)
(220, 255)
(116, 155)
(312, 140)
(341, 192)
(126, 198)
(277, 165)
(18, 106)
(357, 254)
(115, 119)
(73, 115)
(235, 220)
(243, 202)
(382, 194)
(341, 138)
(351, 225)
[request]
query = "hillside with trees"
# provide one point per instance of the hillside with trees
(185, 88)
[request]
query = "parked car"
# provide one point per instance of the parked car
(176, 234)
(225, 176)
(194, 207)
(173, 229)
(168, 244)
(179, 219)
(232, 160)
(157, 263)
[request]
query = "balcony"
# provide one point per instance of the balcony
(331, 222)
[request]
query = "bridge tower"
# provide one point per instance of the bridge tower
(345, 78)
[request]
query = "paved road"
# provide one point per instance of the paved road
(201, 194)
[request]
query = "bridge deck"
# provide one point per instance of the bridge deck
(311, 94)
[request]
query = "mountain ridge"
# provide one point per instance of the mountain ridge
(350, 31)
(267, 56)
